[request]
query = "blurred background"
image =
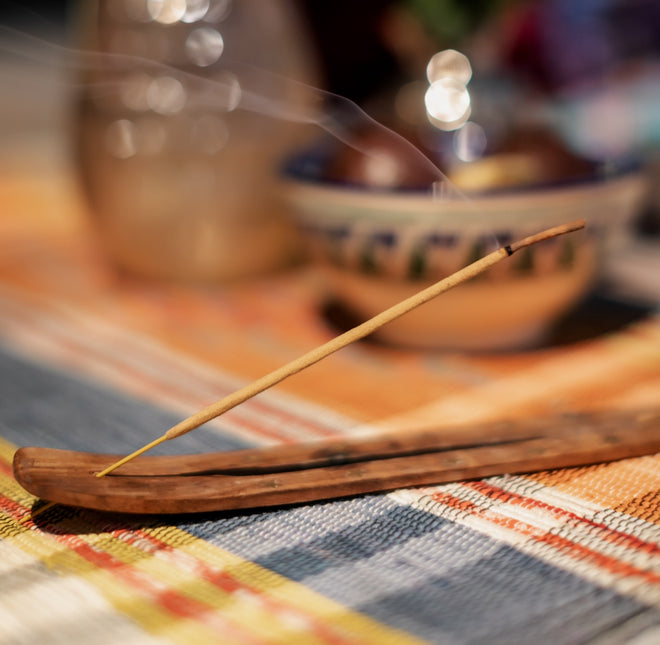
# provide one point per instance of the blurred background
(555, 48)
(499, 95)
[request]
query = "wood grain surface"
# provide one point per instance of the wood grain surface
(334, 468)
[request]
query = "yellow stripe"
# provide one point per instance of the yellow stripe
(273, 624)
(65, 562)
(284, 590)
(128, 601)
(241, 610)
(7, 450)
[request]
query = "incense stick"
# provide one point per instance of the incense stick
(356, 333)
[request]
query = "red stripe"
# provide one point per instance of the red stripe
(227, 583)
(614, 536)
(580, 552)
(169, 391)
(171, 600)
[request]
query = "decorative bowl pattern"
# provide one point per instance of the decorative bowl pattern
(377, 247)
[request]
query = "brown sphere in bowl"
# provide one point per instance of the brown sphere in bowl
(379, 158)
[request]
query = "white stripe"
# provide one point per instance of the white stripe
(557, 378)
(40, 606)
(535, 523)
(178, 382)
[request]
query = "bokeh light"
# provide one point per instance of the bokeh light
(218, 11)
(195, 10)
(449, 64)
(167, 12)
(228, 94)
(166, 95)
(204, 46)
(380, 169)
(470, 142)
(447, 100)
(120, 139)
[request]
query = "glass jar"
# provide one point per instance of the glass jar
(182, 182)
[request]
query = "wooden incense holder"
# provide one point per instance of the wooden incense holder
(334, 468)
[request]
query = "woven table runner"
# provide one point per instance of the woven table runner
(92, 361)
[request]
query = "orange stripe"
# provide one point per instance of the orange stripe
(564, 545)
(167, 391)
(613, 536)
(6, 468)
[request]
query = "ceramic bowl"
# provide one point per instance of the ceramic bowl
(376, 248)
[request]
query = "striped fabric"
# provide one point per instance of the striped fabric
(90, 362)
